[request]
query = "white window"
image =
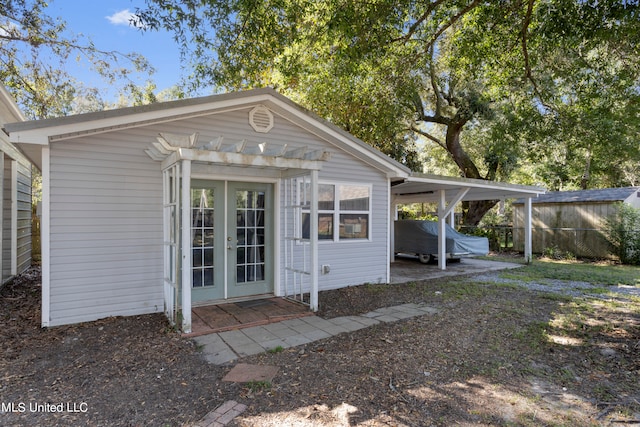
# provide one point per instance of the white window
(344, 212)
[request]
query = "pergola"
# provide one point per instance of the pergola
(447, 192)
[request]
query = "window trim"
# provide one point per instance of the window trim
(336, 212)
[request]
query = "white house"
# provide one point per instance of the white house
(242, 195)
(15, 197)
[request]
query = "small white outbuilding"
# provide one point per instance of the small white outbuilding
(236, 196)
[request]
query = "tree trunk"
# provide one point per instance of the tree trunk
(472, 212)
(462, 159)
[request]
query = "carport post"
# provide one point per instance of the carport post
(443, 214)
(442, 231)
(527, 230)
(393, 217)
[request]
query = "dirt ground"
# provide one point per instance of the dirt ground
(495, 355)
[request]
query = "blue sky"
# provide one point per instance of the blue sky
(106, 24)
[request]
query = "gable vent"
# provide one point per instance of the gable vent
(261, 119)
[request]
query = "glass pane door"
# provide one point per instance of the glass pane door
(207, 209)
(250, 239)
(250, 235)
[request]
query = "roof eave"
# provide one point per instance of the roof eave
(478, 183)
(42, 132)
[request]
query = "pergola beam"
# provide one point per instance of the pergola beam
(169, 149)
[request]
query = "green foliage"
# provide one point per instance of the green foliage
(35, 49)
(622, 230)
(495, 227)
(532, 92)
(423, 211)
(256, 386)
(555, 253)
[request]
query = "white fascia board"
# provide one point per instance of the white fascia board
(477, 183)
(44, 131)
(29, 137)
(425, 189)
(103, 122)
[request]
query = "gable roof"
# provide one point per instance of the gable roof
(33, 135)
(9, 112)
(582, 196)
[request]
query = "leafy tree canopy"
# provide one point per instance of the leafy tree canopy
(554, 80)
(35, 49)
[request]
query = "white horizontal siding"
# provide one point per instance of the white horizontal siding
(106, 216)
(106, 229)
(22, 211)
(352, 263)
(7, 214)
(24, 216)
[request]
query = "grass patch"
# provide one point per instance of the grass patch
(550, 296)
(534, 335)
(510, 275)
(598, 291)
(600, 274)
(376, 288)
(511, 286)
(275, 350)
(256, 386)
(459, 290)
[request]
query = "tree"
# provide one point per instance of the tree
(461, 74)
(589, 88)
(34, 49)
(622, 230)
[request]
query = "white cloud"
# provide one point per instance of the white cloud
(124, 17)
(8, 29)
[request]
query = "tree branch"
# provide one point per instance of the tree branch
(405, 38)
(452, 21)
(525, 54)
(434, 83)
(429, 136)
(436, 118)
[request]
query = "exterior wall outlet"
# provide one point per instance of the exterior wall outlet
(326, 268)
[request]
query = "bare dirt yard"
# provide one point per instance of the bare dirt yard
(499, 351)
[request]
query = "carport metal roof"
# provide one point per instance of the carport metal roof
(447, 192)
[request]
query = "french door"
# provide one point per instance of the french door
(231, 239)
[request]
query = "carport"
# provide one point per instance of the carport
(447, 192)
